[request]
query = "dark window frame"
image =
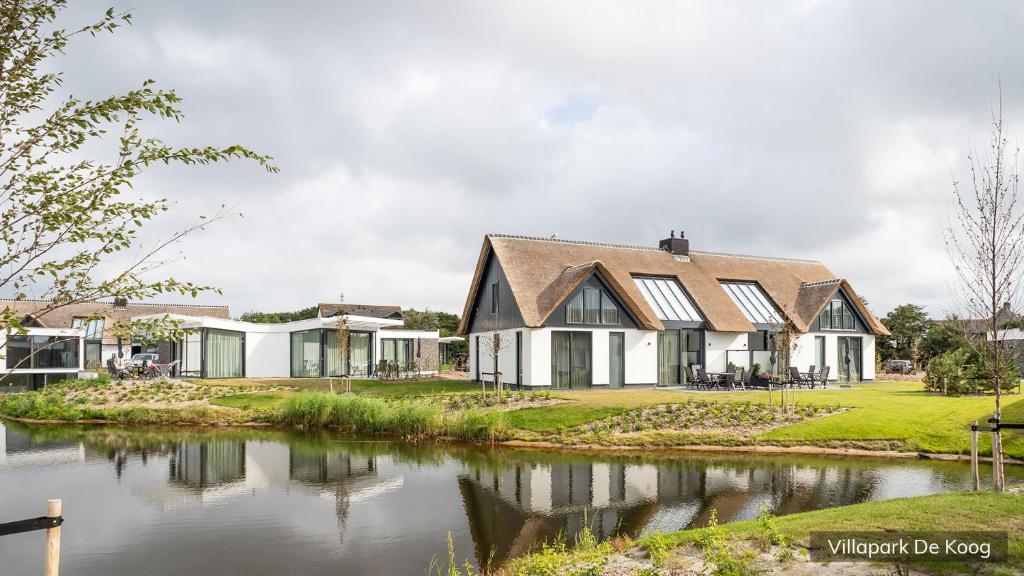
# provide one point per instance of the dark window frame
(604, 303)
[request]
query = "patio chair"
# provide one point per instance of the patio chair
(823, 376)
(737, 379)
(116, 372)
(703, 380)
(691, 380)
(795, 379)
(166, 370)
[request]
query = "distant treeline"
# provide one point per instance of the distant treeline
(446, 323)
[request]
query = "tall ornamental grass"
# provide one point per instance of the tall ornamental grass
(409, 418)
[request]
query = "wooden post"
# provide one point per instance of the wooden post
(974, 456)
(53, 510)
(997, 455)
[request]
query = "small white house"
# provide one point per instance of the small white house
(39, 357)
(220, 348)
(569, 314)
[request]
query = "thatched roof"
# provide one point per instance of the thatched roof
(366, 310)
(62, 317)
(542, 272)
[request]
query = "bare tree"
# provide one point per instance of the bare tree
(492, 342)
(985, 242)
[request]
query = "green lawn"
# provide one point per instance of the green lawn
(897, 413)
(982, 511)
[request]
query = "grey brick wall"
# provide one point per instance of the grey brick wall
(428, 351)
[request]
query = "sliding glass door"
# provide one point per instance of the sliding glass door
(359, 353)
(616, 359)
(668, 357)
(224, 354)
(399, 352)
(850, 359)
(335, 357)
(306, 354)
(571, 360)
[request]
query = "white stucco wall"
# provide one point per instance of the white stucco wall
(267, 355)
(641, 355)
(717, 343)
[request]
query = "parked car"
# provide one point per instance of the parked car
(899, 367)
(144, 358)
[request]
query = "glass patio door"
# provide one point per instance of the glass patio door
(668, 357)
(616, 359)
(571, 360)
(851, 359)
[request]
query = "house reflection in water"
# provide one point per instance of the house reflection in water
(17, 446)
(526, 503)
(202, 465)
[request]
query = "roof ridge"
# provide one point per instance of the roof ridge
(134, 303)
(753, 257)
(651, 248)
(576, 267)
(578, 242)
(821, 282)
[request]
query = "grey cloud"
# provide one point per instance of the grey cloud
(405, 131)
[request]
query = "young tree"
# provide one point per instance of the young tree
(985, 241)
(68, 233)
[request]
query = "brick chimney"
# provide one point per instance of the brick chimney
(677, 246)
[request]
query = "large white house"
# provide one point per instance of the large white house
(569, 314)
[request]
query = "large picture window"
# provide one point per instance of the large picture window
(837, 315)
(592, 306)
(571, 360)
(305, 354)
(26, 352)
(224, 354)
(399, 352)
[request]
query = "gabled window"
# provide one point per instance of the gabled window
(494, 298)
(591, 306)
(837, 315)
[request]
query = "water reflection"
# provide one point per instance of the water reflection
(393, 504)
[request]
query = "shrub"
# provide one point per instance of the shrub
(965, 371)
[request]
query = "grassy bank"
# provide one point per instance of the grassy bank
(884, 415)
(879, 416)
(776, 545)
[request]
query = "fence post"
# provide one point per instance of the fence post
(53, 510)
(974, 456)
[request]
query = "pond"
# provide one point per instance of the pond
(192, 501)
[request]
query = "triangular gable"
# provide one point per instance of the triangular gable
(576, 278)
(479, 317)
(815, 296)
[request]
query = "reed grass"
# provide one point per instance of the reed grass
(408, 418)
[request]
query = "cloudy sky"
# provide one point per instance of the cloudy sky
(406, 131)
